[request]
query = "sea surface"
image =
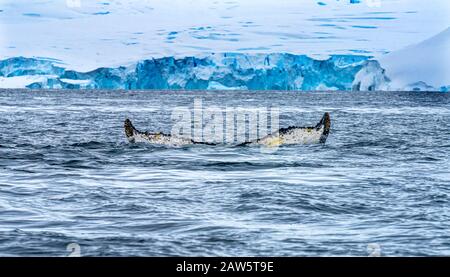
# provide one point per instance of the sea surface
(68, 175)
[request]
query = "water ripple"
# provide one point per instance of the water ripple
(67, 175)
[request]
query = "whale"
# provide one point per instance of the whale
(284, 136)
(297, 135)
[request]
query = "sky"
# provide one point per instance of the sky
(87, 34)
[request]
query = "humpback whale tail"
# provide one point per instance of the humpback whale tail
(290, 135)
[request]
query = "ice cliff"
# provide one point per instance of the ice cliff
(216, 71)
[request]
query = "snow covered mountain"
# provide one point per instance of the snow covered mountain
(423, 66)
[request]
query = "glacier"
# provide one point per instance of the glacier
(306, 45)
(216, 71)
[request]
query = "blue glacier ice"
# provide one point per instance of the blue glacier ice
(21, 66)
(215, 71)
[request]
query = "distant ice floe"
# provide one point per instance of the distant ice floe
(23, 81)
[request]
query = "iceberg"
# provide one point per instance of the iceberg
(371, 77)
(216, 71)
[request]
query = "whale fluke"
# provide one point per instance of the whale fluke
(284, 136)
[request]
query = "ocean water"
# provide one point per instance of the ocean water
(68, 175)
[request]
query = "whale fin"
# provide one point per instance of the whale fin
(325, 122)
(130, 131)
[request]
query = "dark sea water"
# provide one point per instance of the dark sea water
(68, 175)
